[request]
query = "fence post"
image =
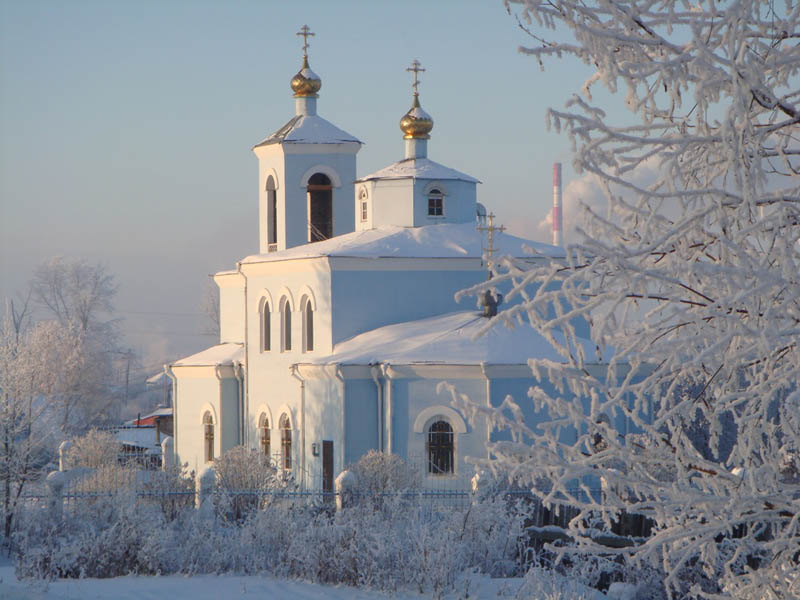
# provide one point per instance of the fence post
(55, 486)
(167, 453)
(345, 485)
(204, 487)
(63, 448)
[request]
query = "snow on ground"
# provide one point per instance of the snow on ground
(213, 587)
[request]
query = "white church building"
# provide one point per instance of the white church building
(335, 336)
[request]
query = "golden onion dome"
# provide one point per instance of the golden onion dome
(416, 123)
(306, 83)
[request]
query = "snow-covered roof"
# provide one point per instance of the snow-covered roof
(446, 240)
(222, 354)
(418, 168)
(153, 379)
(452, 338)
(139, 437)
(159, 412)
(308, 129)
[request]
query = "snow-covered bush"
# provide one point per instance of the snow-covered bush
(399, 545)
(245, 478)
(95, 449)
(378, 474)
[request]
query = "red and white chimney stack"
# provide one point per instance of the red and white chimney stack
(558, 231)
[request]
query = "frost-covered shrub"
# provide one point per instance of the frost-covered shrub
(244, 478)
(378, 472)
(546, 584)
(99, 539)
(403, 543)
(94, 450)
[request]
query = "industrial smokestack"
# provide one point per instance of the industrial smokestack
(558, 231)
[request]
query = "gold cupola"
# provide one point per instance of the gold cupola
(416, 124)
(306, 83)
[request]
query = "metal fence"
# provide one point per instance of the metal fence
(173, 495)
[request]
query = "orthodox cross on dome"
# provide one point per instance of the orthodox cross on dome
(306, 33)
(490, 300)
(490, 250)
(416, 68)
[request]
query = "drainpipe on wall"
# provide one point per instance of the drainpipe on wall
(340, 376)
(246, 436)
(296, 375)
(171, 375)
(389, 407)
(375, 372)
(218, 373)
(238, 372)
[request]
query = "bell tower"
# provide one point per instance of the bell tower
(306, 171)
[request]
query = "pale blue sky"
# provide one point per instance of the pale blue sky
(127, 128)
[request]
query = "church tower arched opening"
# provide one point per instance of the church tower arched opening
(320, 207)
(272, 214)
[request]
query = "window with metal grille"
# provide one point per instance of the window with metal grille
(263, 427)
(208, 434)
(440, 448)
(286, 441)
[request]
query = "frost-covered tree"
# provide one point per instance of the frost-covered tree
(36, 367)
(76, 293)
(691, 282)
(79, 296)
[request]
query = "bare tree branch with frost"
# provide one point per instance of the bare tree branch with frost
(691, 283)
(79, 296)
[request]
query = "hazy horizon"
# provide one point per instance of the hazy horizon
(128, 128)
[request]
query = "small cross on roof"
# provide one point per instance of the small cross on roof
(491, 229)
(306, 32)
(416, 68)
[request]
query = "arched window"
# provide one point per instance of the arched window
(286, 325)
(440, 448)
(286, 441)
(263, 432)
(266, 327)
(435, 203)
(308, 325)
(362, 199)
(208, 435)
(320, 208)
(272, 215)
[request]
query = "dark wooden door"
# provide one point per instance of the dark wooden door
(327, 465)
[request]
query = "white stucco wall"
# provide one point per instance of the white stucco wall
(201, 389)
(231, 306)
(392, 202)
(405, 202)
(270, 382)
(288, 163)
(459, 201)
